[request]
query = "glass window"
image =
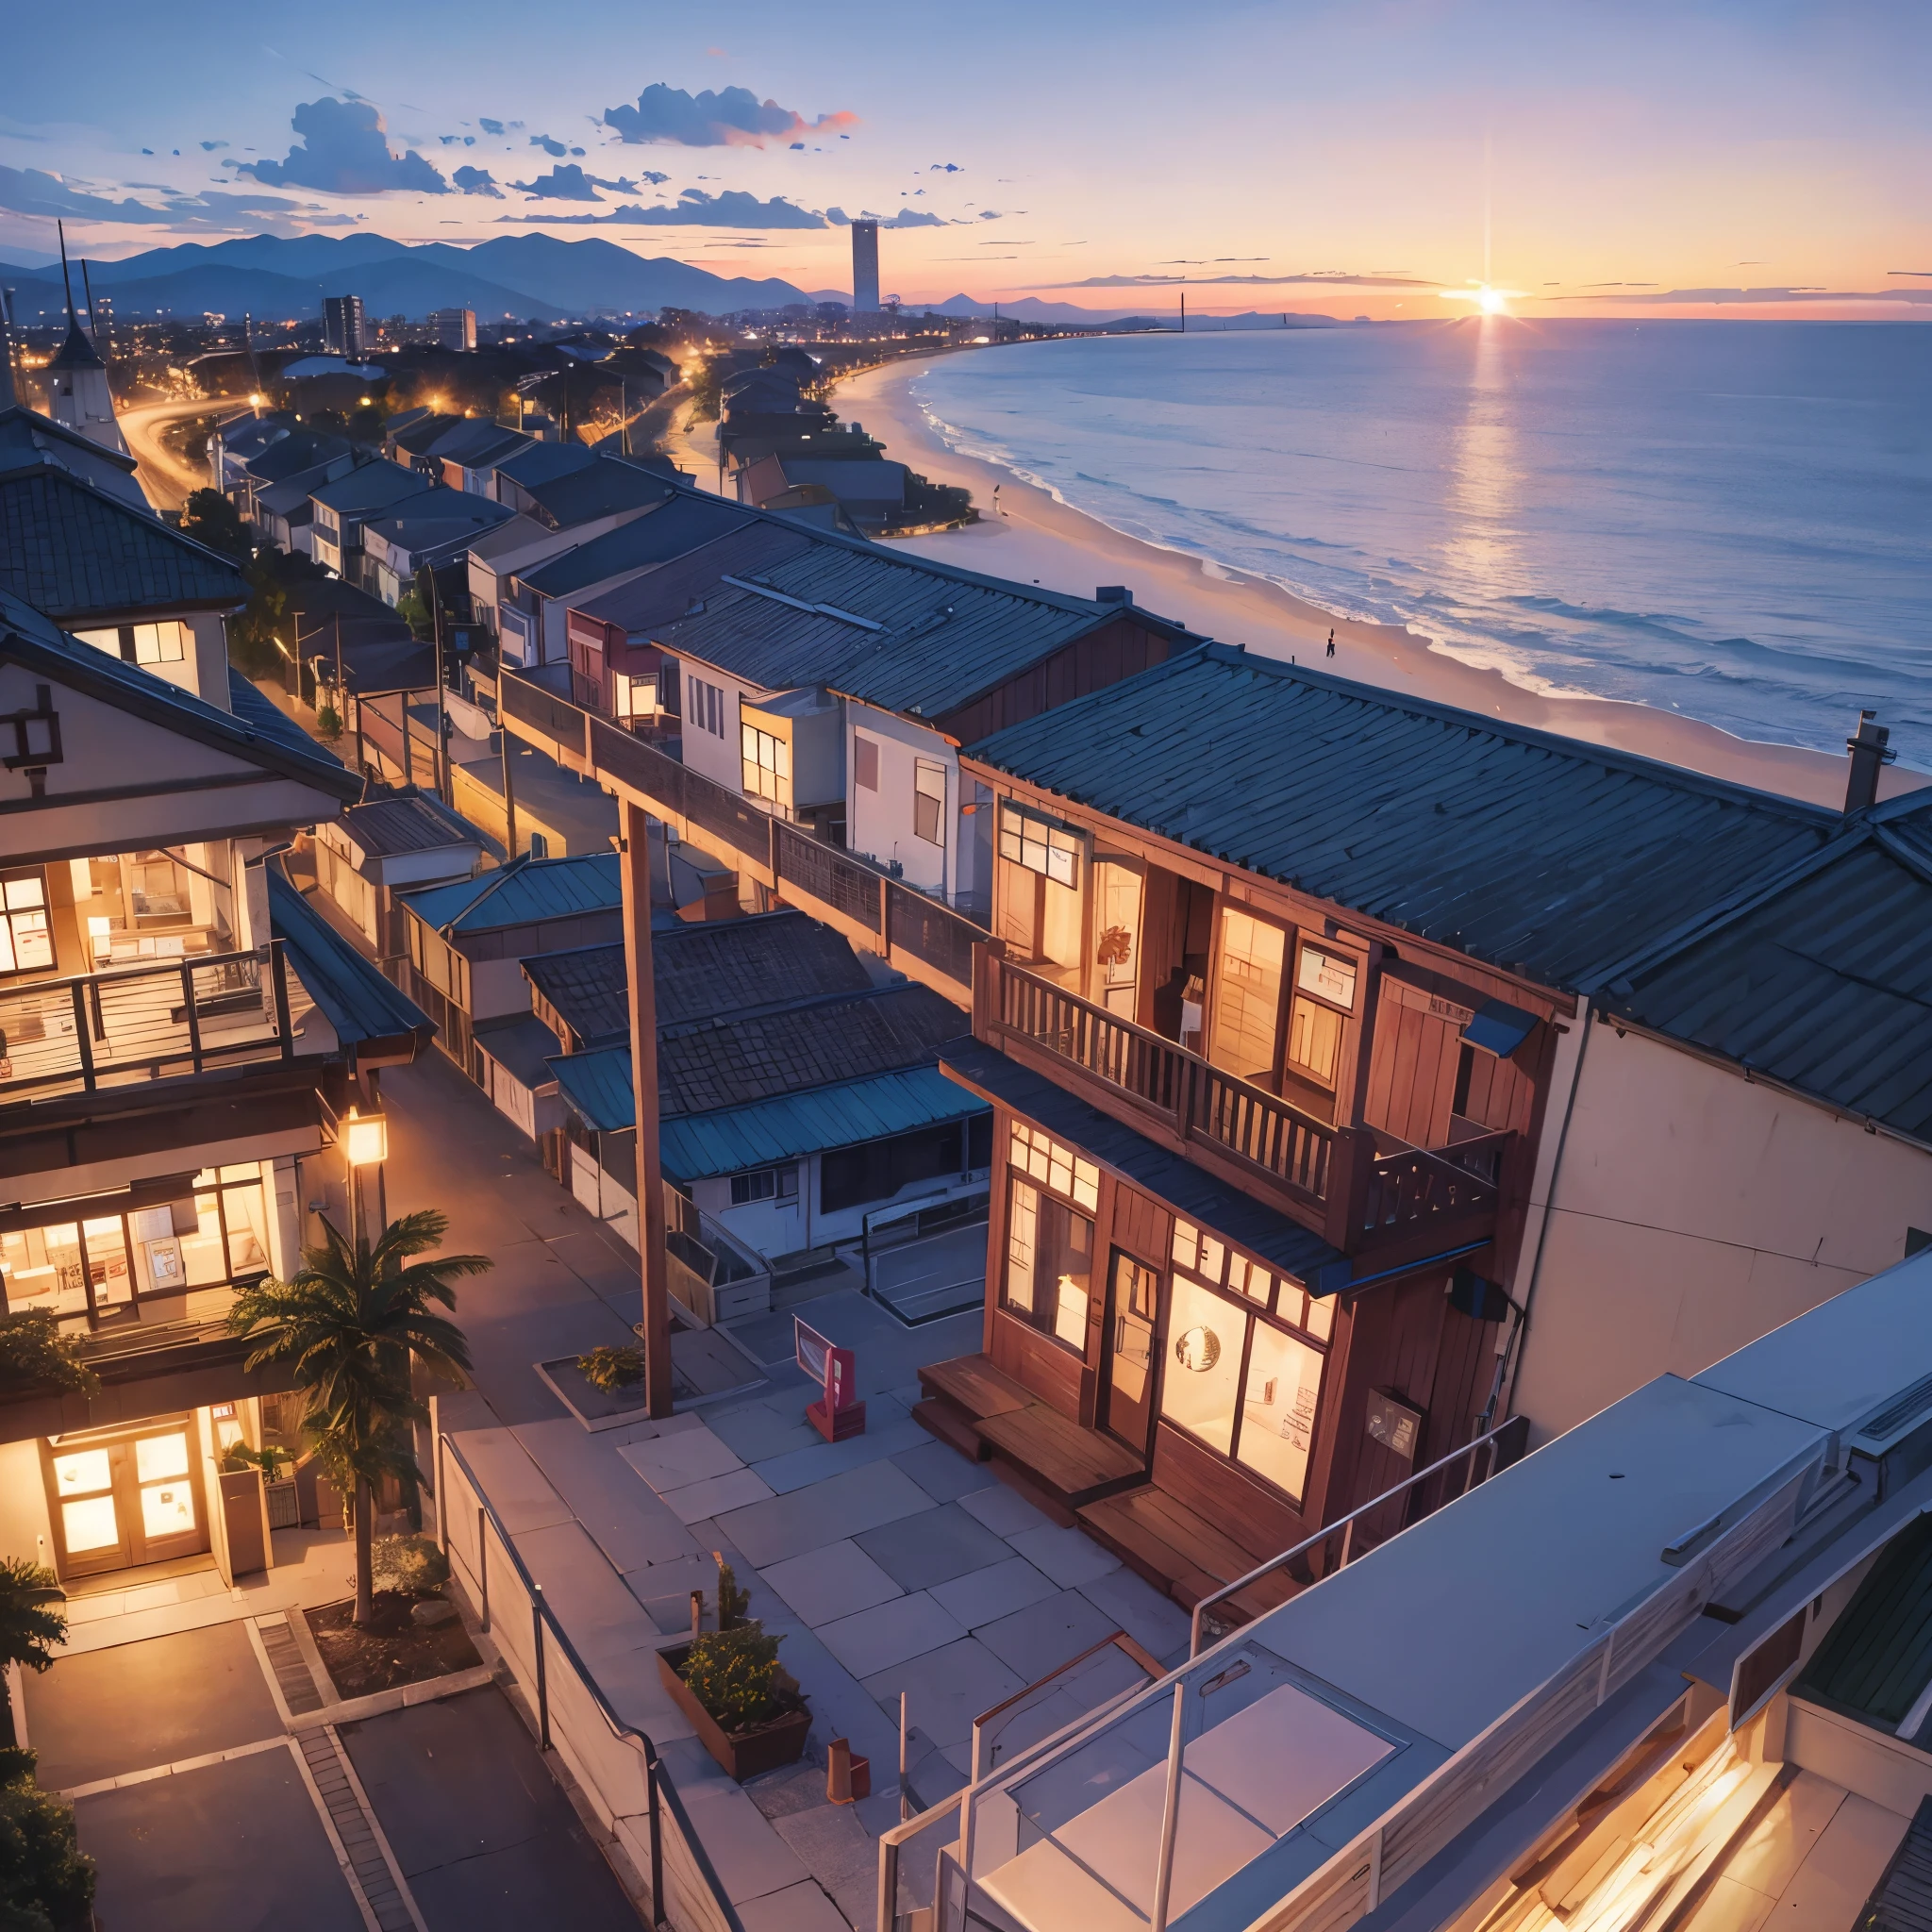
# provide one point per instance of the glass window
(767, 765)
(167, 1509)
(90, 1525)
(928, 800)
(1244, 1027)
(26, 941)
(202, 1260)
(81, 1471)
(1040, 844)
(157, 1457)
(865, 761)
(1056, 1166)
(1278, 1408)
(1049, 1264)
(41, 1268)
(1203, 1363)
(246, 1219)
(1314, 1040)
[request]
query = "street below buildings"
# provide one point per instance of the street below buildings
(163, 476)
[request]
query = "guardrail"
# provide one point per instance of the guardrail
(1505, 1444)
(615, 1764)
(144, 1023)
(901, 915)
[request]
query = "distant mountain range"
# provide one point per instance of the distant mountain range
(1031, 308)
(275, 280)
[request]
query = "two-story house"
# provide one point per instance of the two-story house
(179, 1031)
(340, 508)
(1281, 1014)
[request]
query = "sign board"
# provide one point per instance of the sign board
(1394, 1425)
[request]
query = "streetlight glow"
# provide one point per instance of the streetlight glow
(365, 1138)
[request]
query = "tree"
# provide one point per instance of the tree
(209, 518)
(347, 1326)
(46, 1880)
(29, 1629)
(35, 1355)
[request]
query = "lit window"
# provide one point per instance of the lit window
(1040, 844)
(765, 1184)
(141, 643)
(767, 765)
(1049, 1264)
(929, 801)
(1056, 1166)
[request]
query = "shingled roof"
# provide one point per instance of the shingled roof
(82, 556)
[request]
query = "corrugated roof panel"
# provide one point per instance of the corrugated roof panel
(1517, 846)
(797, 1125)
(596, 1087)
(1877, 1657)
(355, 998)
(522, 891)
(1823, 982)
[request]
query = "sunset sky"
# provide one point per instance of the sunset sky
(1626, 157)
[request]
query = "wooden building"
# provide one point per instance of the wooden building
(1282, 976)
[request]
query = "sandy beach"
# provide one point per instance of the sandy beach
(1036, 538)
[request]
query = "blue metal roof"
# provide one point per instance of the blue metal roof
(355, 998)
(1189, 1190)
(522, 893)
(1821, 979)
(596, 1088)
(655, 537)
(1537, 853)
(796, 1125)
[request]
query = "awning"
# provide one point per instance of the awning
(1499, 1028)
(365, 1009)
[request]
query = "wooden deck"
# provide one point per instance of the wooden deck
(983, 1412)
(1168, 1543)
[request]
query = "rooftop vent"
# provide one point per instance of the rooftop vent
(1113, 593)
(1870, 749)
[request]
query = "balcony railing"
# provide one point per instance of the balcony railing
(803, 868)
(148, 1022)
(1328, 1177)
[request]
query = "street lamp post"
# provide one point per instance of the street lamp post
(365, 1144)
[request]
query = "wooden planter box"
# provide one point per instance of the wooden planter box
(779, 1740)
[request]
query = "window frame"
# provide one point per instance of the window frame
(1078, 1197)
(924, 770)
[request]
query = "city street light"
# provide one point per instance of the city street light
(365, 1144)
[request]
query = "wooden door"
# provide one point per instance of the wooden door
(1245, 1014)
(128, 1499)
(1133, 1300)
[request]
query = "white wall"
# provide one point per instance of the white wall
(1692, 1211)
(25, 1530)
(720, 759)
(880, 823)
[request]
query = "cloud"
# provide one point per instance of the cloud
(568, 182)
(1751, 297)
(488, 125)
(1335, 280)
(457, 140)
(346, 151)
(207, 147)
(733, 117)
(477, 181)
(906, 218)
(694, 209)
(33, 191)
(555, 149)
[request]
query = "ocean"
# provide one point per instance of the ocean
(1728, 520)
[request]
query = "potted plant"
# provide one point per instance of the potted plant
(608, 1370)
(729, 1682)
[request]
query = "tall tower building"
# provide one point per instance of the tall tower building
(456, 328)
(342, 325)
(865, 268)
(78, 390)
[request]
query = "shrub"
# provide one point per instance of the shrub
(612, 1369)
(35, 1357)
(731, 1674)
(412, 1565)
(269, 1460)
(732, 1601)
(46, 1881)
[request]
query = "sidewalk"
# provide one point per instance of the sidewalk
(885, 1564)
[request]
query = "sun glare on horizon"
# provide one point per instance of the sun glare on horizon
(1487, 301)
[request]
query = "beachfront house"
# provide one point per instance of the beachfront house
(1281, 1015)
(180, 1034)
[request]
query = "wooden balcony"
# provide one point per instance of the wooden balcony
(1394, 1204)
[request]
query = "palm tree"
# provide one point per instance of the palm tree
(28, 1629)
(347, 1326)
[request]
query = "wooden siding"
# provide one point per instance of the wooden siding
(1102, 657)
(1242, 1508)
(1040, 1364)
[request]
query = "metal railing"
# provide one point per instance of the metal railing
(616, 1764)
(1505, 1442)
(144, 1023)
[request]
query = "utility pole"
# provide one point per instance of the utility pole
(509, 783)
(342, 702)
(655, 1329)
(623, 414)
(441, 765)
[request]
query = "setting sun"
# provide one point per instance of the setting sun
(1488, 300)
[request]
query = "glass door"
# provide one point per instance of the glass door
(1244, 1024)
(1116, 936)
(132, 1499)
(1133, 1300)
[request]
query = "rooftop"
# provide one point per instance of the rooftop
(595, 490)
(1537, 853)
(682, 524)
(363, 1007)
(522, 893)
(78, 554)
(409, 821)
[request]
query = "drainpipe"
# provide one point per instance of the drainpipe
(1542, 1234)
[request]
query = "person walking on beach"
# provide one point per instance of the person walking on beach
(996, 509)
(1331, 644)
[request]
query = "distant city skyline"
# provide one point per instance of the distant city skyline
(1388, 160)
